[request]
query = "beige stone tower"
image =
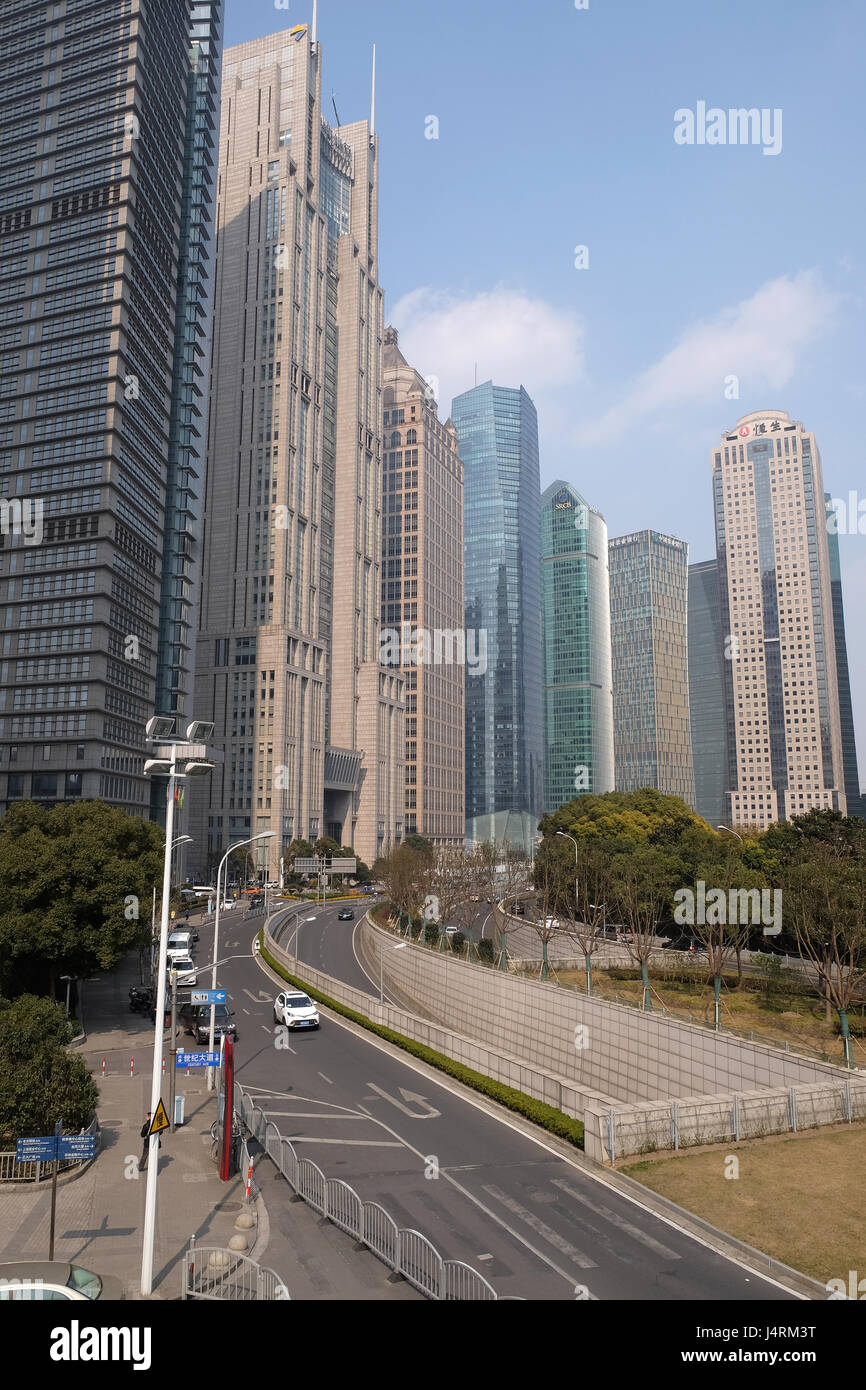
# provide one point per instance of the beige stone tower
(287, 661)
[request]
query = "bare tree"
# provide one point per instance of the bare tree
(643, 882)
(825, 902)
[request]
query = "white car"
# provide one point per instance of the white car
(228, 905)
(295, 1010)
(186, 971)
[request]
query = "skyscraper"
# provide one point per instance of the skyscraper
(649, 594)
(578, 681)
(497, 431)
(107, 123)
(784, 732)
(422, 596)
(856, 801)
(288, 663)
(707, 693)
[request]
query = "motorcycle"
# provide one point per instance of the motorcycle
(141, 999)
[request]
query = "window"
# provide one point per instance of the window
(79, 751)
(44, 784)
(73, 784)
(14, 786)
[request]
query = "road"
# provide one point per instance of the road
(537, 1226)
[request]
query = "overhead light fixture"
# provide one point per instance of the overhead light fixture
(160, 728)
(156, 765)
(199, 731)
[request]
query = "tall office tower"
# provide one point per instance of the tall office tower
(578, 679)
(855, 799)
(784, 732)
(707, 692)
(649, 595)
(107, 130)
(497, 432)
(422, 596)
(288, 653)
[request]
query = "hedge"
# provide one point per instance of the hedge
(546, 1116)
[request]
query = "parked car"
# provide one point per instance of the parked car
(228, 905)
(37, 1280)
(195, 1019)
(186, 971)
(347, 915)
(295, 1010)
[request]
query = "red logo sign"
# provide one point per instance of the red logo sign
(744, 431)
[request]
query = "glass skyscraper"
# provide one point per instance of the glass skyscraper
(856, 801)
(707, 692)
(497, 429)
(782, 692)
(649, 594)
(108, 132)
(578, 688)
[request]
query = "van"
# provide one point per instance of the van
(179, 944)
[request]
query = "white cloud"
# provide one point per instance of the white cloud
(760, 340)
(513, 338)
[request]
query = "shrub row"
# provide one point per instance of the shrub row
(546, 1116)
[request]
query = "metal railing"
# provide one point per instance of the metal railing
(213, 1273)
(10, 1171)
(405, 1251)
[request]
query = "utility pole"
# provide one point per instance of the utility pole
(172, 1050)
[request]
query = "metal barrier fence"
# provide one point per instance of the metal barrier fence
(213, 1273)
(403, 1250)
(10, 1171)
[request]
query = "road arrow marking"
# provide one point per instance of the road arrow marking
(410, 1096)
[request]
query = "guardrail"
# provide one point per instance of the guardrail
(213, 1273)
(404, 1250)
(35, 1171)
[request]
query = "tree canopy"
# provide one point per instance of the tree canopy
(40, 1082)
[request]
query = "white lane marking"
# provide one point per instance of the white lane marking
(605, 1212)
(407, 1095)
(313, 1115)
(357, 1143)
(261, 998)
(246, 1011)
(553, 1237)
(326, 1078)
(366, 973)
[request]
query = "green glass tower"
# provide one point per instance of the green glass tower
(578, 687)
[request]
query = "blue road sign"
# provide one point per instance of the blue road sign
(81, 1146)
(198, 1059)
(35, 1150)
(208, 996)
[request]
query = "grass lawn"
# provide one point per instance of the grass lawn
(800, 1197)
(795, 1018)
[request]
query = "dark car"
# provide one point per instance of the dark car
(257, 900)
(347, 915)
(195, 1019)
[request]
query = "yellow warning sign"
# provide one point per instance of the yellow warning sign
(159, 1121)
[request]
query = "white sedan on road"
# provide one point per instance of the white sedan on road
(295, 1010)
(186, 971)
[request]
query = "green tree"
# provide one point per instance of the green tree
(419, 843)
(643, 882)
(40, 1082)
(75, 881)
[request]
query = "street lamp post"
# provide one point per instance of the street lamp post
(180, 758)
(265, 835)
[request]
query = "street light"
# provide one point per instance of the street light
(566, 836)
(729, 831)
(264, 835)
(178, 758)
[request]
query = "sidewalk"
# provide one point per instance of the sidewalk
(100, 1212)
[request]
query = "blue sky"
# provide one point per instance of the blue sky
(555, 131)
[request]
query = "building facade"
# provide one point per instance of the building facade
(422, 596)
(856, 801)
(108, 131)
(578, 679)
(649, 594)
(782, 694)
(288, 668)
(497, 432)
(707, 693)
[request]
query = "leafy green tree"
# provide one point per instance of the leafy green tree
(419, 843)
(40, 1082)
(625, 818)
(75, 881)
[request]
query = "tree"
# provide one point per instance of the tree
(73, 881)
(643, 883)
(406, 877)
(720, 936)
(625, 818)
(419, 843)
(40, 1082)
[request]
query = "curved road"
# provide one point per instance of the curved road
(536, 1225)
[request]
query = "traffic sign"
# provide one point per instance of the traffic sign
(306, 866)
(159, 1121)
(343, 866)
(198, 1059)
(208, 996)
(40, 1150)
(80, 1146)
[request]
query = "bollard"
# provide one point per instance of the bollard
(163, 1066)
(132, 1066)
(103, 1066)
(249, 1179)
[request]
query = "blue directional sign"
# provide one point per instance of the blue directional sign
(208, 996)
(80, 1146)
(198, 1059)
(35, 1150)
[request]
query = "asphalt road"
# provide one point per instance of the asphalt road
(482, 1191)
